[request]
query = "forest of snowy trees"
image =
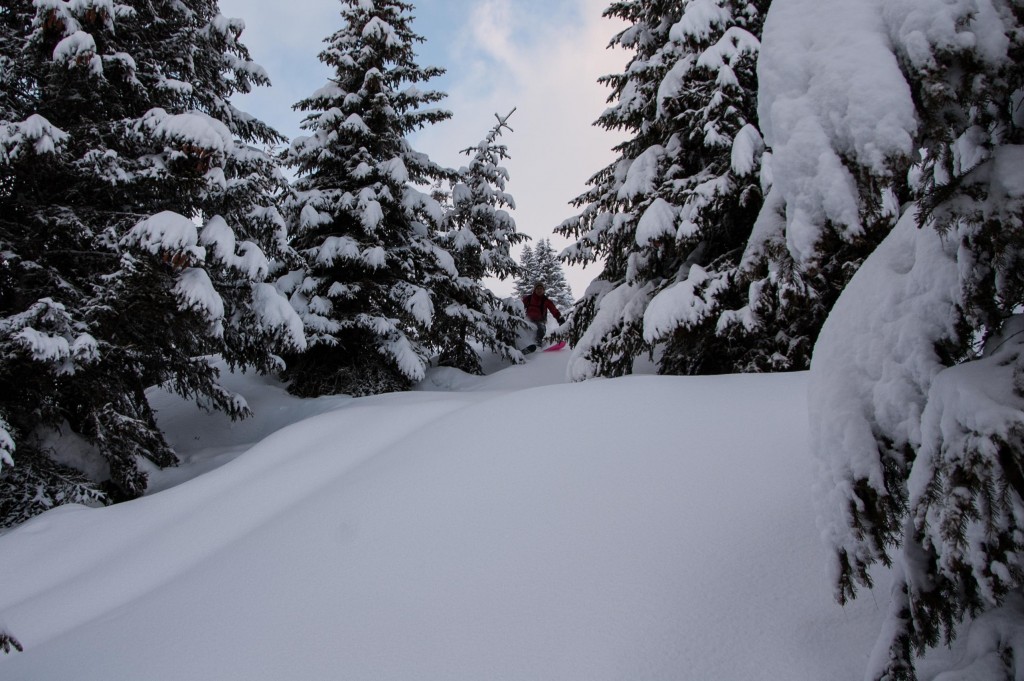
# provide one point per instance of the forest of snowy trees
(540, 265)
(832, 185)
(146, 228)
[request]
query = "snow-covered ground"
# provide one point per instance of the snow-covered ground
(512, 526)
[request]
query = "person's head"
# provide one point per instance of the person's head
(538, 289)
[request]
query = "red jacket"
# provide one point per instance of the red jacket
(537, 307)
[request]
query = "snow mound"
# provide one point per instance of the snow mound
(511, 526)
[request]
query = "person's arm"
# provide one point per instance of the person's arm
(554, 310)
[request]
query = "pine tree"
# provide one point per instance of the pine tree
(548, 271)
(604, 339)
(527, 277)
(480, 234)
(367, 234)
(968, 523)
(671, 216)
(121, 139)
(540, 265)
(809, 241)
(924, 462)
(692, 242)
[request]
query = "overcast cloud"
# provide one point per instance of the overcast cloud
(541, 56)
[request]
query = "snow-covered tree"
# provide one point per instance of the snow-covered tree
(916, 382)
(365, 230)
(691, 242)
(479, 232)
(827, 205)
(527, 277)
(604, 338)
(548, 271)
(540, 265)
(670, 217)
(137, 224)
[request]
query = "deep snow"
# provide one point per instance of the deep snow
(511, 526)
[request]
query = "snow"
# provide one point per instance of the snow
(395, 170)
(354, 123)
(403, 351)
(166, 231)
(432, 535)
(194, 128)
(417, 302)
(723, 54)
(616, 306)
(831, 93)
(6, 445)
(922, 27)
(972, 410)
(517, 525)
(45, 138)
(698, 20)
(194, 290)
(218, 236)
(381, 30)
(642, 173)
(657, 222)
(276, 313)
(746, 149)
(78, 48)
(371, 213)
(43, 347)
(681, 304)
(874, 361)
(375, 257)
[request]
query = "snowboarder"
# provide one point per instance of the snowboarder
(537, 306)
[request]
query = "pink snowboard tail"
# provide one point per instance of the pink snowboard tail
(556, 347)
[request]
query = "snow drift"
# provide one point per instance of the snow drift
(511, 526)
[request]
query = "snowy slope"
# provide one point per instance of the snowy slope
(505, 527)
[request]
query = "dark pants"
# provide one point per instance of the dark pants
(541, 329)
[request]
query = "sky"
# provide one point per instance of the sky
(542, 58)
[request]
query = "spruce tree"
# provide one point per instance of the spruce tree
(691, 242)
(366, 233)
(123, 139)
(479, 233)
(548, 271)
(527, 277)
(541, 265)
(916, 385)
(605, 340)
(671, 215)
(963, 545)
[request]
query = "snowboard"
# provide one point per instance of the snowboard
(553, 348)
